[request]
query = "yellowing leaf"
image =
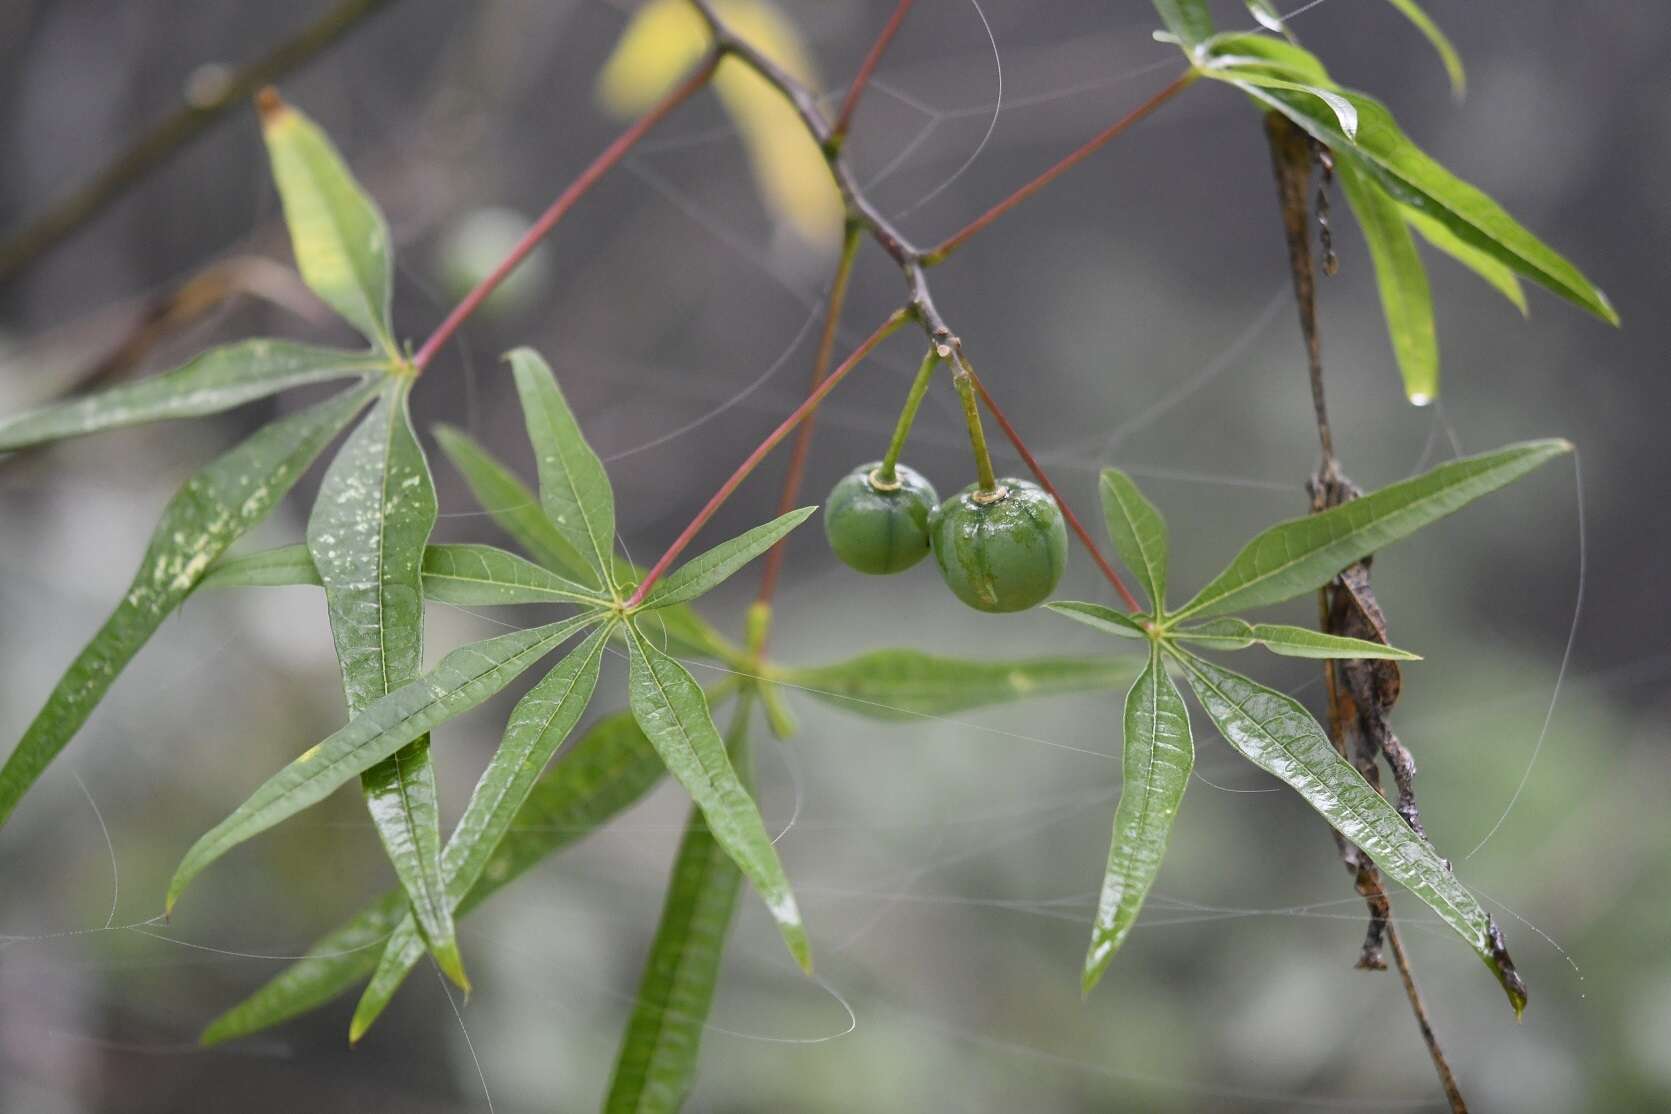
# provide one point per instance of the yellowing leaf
(666, 38)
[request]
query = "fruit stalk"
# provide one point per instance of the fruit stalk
(908, 415)
(963, 379)
(1039, 473)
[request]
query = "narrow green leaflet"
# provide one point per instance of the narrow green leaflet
(465, 678)
(1189, 20)
(216, 506)
(1498, 275)
(708, 570)
(1252, 81)
(513, 508)
(465, 574)
(339, 236)
(1278, 735)
(1139, 532)
(574, 488)
(1098, 617)
(1412, 178)
(1305, 553)
(367, 534)
(217, 380)
(610, 768)
(1440, 42)
(674, 714)
(1406, 300)
(660, 1048)
(483, 575)
(335, 962)
(537, 726)
(909, 684)
(1158, 756)
(1293, 642)
(283, 566)
(517, 511)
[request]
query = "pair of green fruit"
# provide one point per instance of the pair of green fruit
(998, 550)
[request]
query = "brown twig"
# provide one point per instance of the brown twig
(1291, 161)
(1360, 693)
(199, 108)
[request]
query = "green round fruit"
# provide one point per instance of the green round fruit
(876, 527)
(1002, 554)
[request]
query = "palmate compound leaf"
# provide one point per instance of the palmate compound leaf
(217, 380)
(609, 768)
(1159, 753)
(465, 574)
(657, 1061)
(339, 235)
(574, 489)
(516, 510)
(909, 684)
(674, 713)
(537, 726)
(465, 678)
(1397, 166)
(708, 570)
(366, 535)
(215, 507)
(1406, 299)
(1278, 735)
(1303, 554)
(1139, 533)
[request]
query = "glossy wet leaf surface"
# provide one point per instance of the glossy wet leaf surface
(1139, 532)
(675, 716)
(217, 380)
(1156, 762)
(574, 490)
(910, 684)
(1303, 554)
(611, 767)
(370, 524)
(656, 1065)
(537, 726)
(465, 678)
(1278, 735)
(216, 506)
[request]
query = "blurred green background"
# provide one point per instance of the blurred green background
(1137, 314)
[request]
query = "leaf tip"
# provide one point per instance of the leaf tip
(451, 962)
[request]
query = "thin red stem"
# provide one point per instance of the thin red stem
(802, 448)
(957, 239)
(589, 177)
(894, 321)
(1044, 482)
(844, 118)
